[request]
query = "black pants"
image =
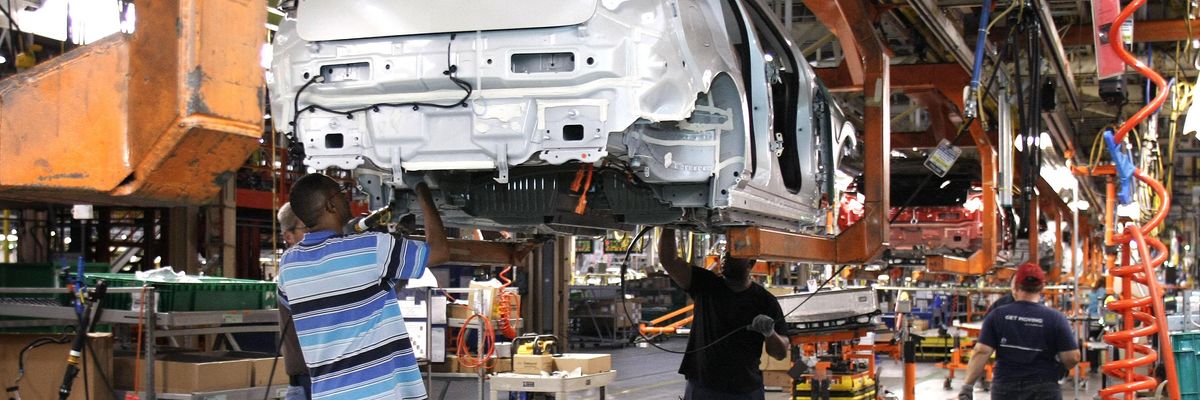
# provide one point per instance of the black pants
(1026, 390)
(697, 392)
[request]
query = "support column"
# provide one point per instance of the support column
(34, 237)
(181, 239)
(223, 223)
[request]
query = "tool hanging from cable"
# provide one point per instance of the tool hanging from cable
(1142, 316)
(87, 319)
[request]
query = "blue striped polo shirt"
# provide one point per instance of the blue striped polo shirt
(341, 291)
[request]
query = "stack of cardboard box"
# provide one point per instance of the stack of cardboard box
(197, 372)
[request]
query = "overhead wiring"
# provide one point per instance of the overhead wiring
(451, 73)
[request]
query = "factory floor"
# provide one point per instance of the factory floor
(647, 373)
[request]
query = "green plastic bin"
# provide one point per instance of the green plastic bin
(1187, 363)
(210, 294)
(40, 275)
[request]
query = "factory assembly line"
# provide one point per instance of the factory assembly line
(716, 199)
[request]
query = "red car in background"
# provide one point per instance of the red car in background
(924, 230)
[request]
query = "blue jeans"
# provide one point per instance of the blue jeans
(697, 392)
(1026, 390)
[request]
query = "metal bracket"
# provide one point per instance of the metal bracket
(502, 164)
(777, 144)
(397, 168)
(372, 185)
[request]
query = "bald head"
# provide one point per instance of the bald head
(318, 202)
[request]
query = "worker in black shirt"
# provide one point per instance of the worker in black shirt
(1034, 344)
(719, 367)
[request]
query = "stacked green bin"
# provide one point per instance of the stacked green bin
(38, 275)
(210, 294)
(1187, 364)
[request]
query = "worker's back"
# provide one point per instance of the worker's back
(340, 290)
(1027, 337)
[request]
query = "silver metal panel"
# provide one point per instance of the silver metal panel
(340, 19)
(653, 84)
(829, 305)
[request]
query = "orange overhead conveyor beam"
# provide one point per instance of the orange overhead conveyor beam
(851, 22)
(163, 116)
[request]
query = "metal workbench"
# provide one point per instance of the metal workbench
(156, 324)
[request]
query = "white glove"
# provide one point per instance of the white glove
(764, 325)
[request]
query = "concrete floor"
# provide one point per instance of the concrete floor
(646, 373)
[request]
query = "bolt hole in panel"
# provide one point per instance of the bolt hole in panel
(334, 140)
(572, 133)
(534, 63)
(360, 71)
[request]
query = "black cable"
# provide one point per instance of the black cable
(42, 341)
(814, 292)
(450, 72)
(87, 391)
(279, 352)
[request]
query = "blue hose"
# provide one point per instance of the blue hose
(979, 44)
(971, 103)
(1125, 168)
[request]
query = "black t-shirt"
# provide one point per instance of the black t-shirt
(1027, 338)
(730, 366)
(1001, 302)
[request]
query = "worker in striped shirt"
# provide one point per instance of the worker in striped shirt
(341, 291)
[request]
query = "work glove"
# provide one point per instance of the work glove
(764, 325)
(967, 392)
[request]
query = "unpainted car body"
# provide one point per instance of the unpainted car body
(561, 114)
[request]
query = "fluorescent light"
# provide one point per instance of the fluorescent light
(944, 184)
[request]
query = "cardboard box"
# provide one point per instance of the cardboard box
(261, 368)
(260, 365)
(777, 379)
(502, 365)
(532, 364)
(44, 366)
(767, 363)
(588, 363)
(450, 365)
(192, 372)
(458, 311)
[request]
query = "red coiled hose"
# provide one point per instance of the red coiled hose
(1142, 316)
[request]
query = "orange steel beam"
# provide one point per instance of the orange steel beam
(160, 117)
(850, 21)
(950, 87)
(1161, 30)
(910, 77)
(954, 265)
(1056, 269)
(670, 328)
(483, 253)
